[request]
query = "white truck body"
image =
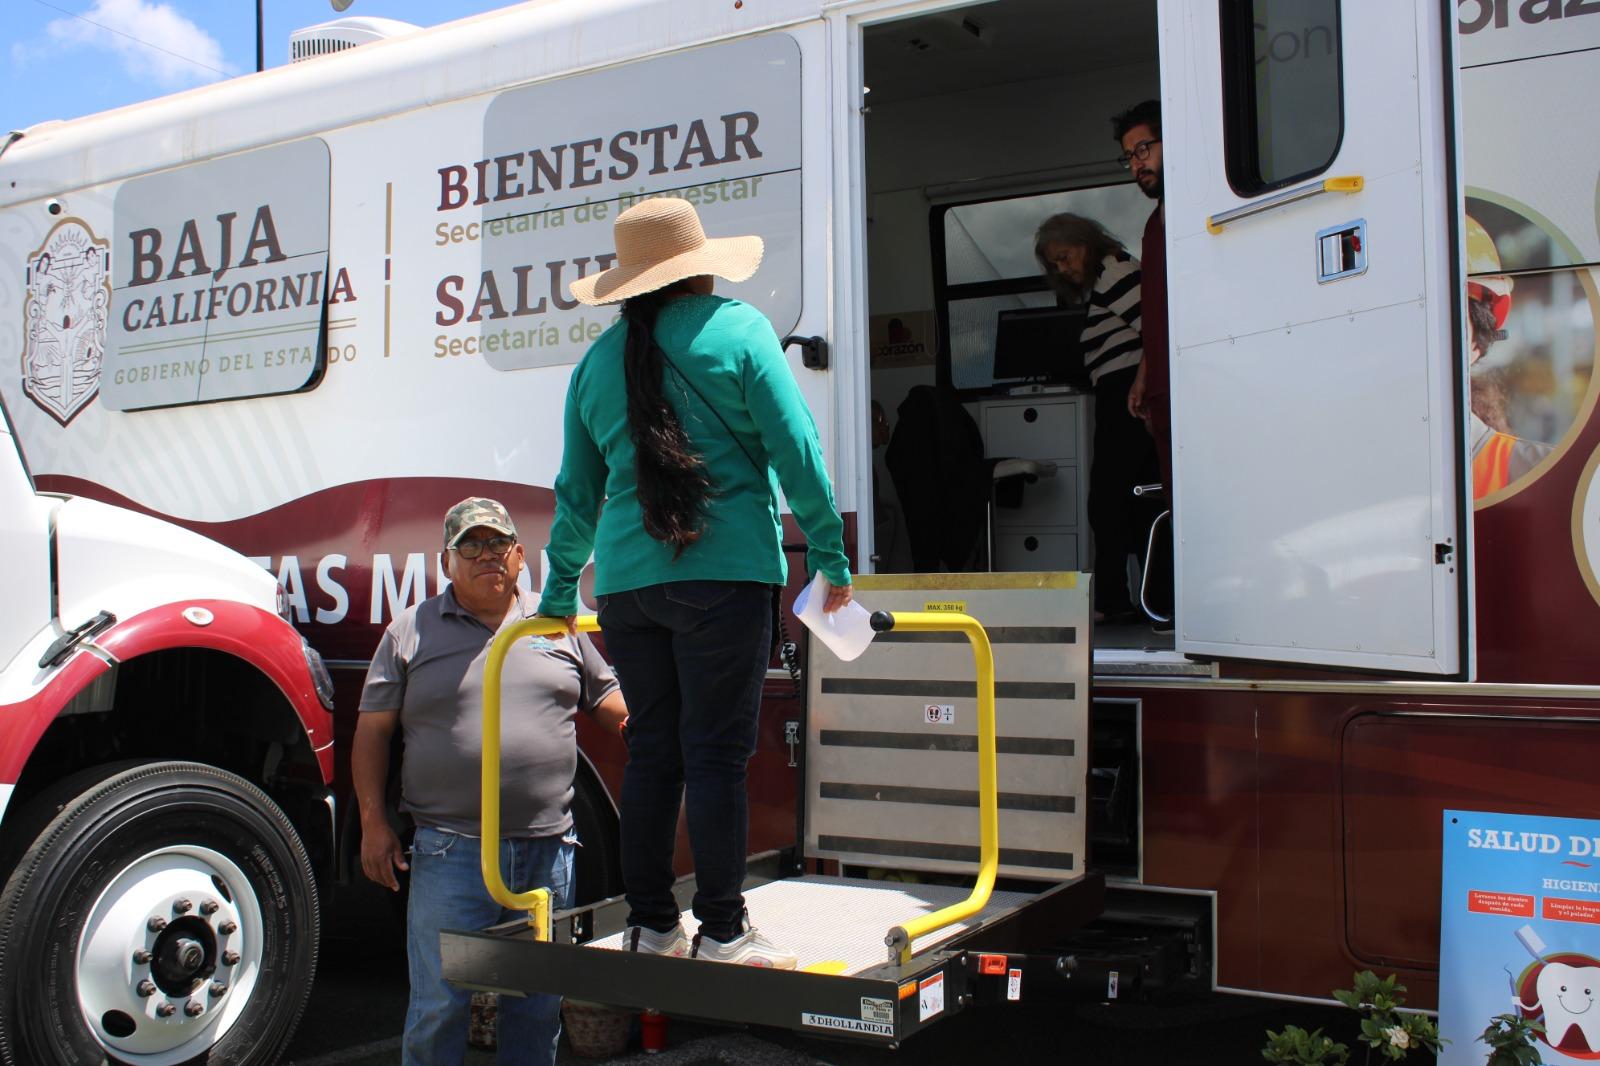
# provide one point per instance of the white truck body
(432, 194)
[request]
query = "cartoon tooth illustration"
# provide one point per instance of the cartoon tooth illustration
(1568, 995)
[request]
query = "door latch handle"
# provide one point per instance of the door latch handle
(813, 351)
(1349, 184)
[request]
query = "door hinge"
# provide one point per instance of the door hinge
(1443, 553)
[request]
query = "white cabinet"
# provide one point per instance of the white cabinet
(1042, 428)
(1050, 531)
(1021, 550)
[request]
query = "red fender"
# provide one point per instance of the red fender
(22, 724)
(258, 637)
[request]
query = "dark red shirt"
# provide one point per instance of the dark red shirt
(1153, 301)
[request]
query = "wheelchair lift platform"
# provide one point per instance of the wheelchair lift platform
(837, 923)
(894, 742)
(845, 986)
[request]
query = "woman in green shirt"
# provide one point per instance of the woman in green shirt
(683, 420)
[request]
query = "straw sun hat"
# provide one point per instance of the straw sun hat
(660, 241)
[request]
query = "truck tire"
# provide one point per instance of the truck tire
(167, 913)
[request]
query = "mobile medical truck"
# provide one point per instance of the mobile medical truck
(305, 311)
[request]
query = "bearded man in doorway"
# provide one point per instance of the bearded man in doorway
(1138, 131)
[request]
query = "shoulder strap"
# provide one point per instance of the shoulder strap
(760, 469)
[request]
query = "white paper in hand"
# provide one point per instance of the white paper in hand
(846, 632)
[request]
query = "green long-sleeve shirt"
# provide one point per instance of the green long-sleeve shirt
(731, 355)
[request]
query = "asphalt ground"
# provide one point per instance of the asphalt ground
(358, 1002)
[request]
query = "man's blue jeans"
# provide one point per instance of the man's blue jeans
(691, 657)
(447, 892)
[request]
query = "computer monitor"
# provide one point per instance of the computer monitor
(1039, 344)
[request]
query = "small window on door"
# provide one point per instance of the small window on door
(1282, 88)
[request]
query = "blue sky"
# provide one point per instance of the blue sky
(65, 58)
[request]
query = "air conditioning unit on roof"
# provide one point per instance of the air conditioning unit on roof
(340, 34)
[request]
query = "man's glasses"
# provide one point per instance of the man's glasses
(471, 549)
(1141, 152)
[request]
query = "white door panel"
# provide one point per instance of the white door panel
(1206, 295)
(1316, 465)
(1283, 553)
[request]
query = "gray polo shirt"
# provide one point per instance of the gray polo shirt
(429, 667)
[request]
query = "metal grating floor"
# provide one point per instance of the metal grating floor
(826, 919)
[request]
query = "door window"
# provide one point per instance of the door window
(1282, 91)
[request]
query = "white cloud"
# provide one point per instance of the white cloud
(152, 40)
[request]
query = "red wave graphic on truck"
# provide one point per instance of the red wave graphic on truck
(353, 555)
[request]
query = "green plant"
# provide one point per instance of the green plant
(1296, 1047)
(1511, 1041)
(1384, 1029)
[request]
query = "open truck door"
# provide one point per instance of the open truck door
(1312, 207)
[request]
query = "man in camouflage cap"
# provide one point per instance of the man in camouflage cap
(477, 511)
(426, 678)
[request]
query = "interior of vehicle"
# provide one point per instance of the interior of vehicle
(982, 122)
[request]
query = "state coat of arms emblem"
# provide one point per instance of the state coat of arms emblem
(67, 301)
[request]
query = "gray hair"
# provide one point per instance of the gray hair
(1067, 228)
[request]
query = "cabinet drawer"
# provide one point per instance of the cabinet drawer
(1047, 429)
(1015, 550)
(1050, 501)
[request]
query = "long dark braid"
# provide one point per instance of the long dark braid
(672, 482)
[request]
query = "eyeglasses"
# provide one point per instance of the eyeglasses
(471, 549)
(1141, 152)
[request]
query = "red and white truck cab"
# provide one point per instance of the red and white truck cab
(165, 803)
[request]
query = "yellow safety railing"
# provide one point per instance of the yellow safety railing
(537, 901)
(901, 937)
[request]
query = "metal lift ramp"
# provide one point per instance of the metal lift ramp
(903, 771)
(891, 738)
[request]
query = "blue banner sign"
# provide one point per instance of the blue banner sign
(1520, 932)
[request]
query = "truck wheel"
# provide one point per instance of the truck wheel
(167, 912)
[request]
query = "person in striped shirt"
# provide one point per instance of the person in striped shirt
(1086, 265)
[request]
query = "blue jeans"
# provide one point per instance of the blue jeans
(691, 657)
(447, 892)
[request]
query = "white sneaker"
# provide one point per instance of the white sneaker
(672, 942)
(750, 948)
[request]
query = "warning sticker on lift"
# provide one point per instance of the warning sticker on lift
(950, 606)
(849, 1025)
(1014, 985)
(877, 1010)
(930, 996)
(939, 713)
